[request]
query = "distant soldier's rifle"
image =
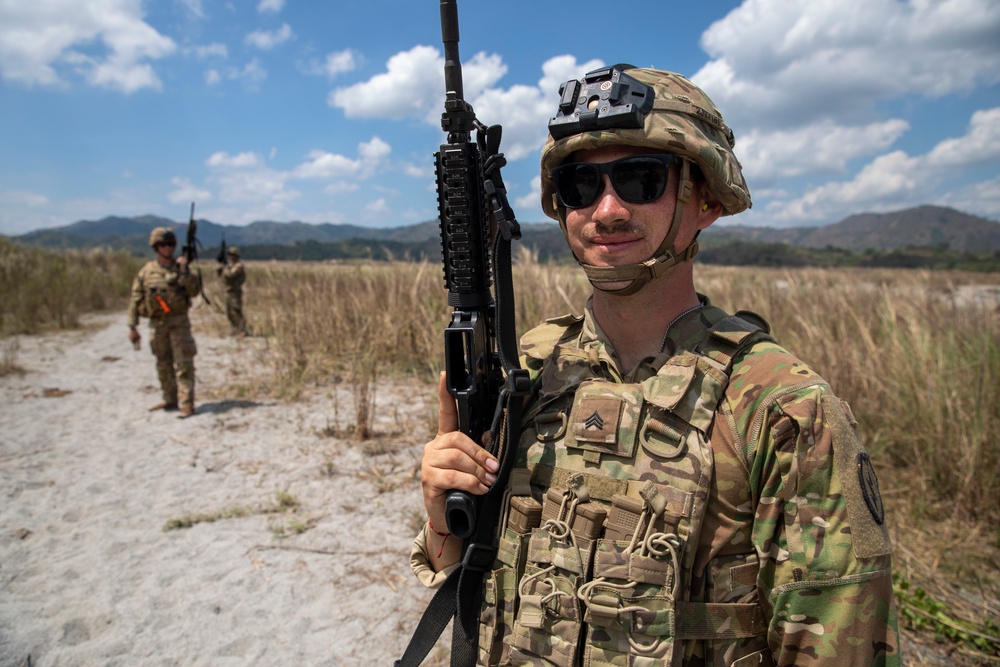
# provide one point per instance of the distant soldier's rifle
(190, 251)
(222, 257)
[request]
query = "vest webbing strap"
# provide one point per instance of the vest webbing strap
(719, 620)
(605, 488)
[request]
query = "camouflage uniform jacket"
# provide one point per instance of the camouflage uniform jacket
(786, 527)
(233, 276)
(160, 292)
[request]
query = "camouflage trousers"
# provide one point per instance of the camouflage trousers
(234, 311)
(173, 346)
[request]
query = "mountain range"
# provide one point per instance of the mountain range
(934, 227)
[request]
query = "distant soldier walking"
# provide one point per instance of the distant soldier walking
(233, 276)
(162, 291)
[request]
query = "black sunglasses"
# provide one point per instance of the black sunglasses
(167, 244)
(638, 179)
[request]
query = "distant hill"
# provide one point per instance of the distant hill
(921, 227)
(922, 236)
(132, 234)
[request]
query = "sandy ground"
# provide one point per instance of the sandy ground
(89, 478)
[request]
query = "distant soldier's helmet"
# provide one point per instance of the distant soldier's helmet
(645, 108)
(233, 250)
(162, 235)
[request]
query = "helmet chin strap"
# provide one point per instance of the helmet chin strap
(638, 275)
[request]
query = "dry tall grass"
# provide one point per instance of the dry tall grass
(46, 289)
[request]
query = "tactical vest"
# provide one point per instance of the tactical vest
(605, 513)
(163, 293)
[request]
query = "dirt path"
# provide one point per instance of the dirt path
(89, 478)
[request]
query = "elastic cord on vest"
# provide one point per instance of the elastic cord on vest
(638, 275)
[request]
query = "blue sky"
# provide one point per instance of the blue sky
(329, 111)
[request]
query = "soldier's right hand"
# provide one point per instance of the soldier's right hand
(452, 461)
(134, 337)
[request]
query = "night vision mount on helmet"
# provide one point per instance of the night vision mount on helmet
(605, 98)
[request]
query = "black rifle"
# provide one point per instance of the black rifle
(190, 250)
(222, 257)
(481, 364)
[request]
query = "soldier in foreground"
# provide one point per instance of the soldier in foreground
(687, 492)
(233, 276)
(162, 291)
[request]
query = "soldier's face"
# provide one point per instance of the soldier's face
(614, 232)
(165, 250)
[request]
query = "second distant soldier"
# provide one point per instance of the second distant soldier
(233, 276)
(162, 291)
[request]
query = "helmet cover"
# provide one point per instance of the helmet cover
(162, 235)
(683, 121)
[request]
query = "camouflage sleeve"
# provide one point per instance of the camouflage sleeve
(239, 275)
(819, 527)
(190, 283)
(135, 300)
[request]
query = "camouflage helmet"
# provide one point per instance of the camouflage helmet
(162, 235)
(233, 250)
(682, 120)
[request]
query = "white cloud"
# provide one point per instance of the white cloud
(413, 87)
(272, 6)
(185, 191)
(257, 185)
(822, 147)
(339, 188)
(530, 201)
(897, 179)
(324, 165)
(267, 40)
(243, 182)
(39, 42)
(412, 84)
(980, 146)
(238, 161)
(250, 74)
(339, 62)
(205, 51)
(418, 171)
(779, 63)
(979, 198)
(376, 207)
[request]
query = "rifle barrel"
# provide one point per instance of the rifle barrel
(449, 37)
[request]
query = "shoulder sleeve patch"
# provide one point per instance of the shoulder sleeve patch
(860, 486)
